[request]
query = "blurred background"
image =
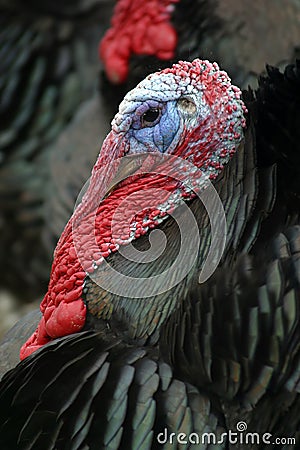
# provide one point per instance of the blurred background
(59, 91)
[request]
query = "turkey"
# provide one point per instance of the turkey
(137, 370)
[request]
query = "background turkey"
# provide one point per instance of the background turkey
(223, 31)
(229, 349)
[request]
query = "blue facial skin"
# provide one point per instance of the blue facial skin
(159, 134)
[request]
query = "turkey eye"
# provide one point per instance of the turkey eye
(150, 116)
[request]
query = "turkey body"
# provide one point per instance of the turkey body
(228, 352)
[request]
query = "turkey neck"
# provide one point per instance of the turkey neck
(141, 318)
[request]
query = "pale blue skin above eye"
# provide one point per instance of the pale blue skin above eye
(159, 136)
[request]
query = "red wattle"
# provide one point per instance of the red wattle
(63, 309)
(67, 318)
